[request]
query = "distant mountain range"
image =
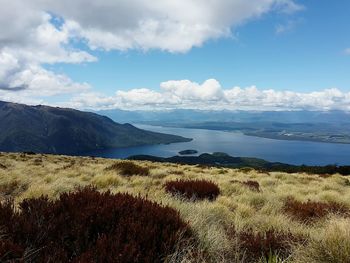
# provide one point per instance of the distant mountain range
(316, 126)
(189, 116)
(44, 129)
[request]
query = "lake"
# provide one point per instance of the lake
(238, 144)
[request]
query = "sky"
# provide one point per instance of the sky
(176, 54)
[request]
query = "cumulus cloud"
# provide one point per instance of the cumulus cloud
(23, 50)
(18, 75)
(209, 95)
(171, 25)
(39, 32)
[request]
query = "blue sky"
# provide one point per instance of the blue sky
(297, 50)
(309, 56)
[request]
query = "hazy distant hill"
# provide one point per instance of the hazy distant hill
(188, 116)
(318, 126)
(67, 131)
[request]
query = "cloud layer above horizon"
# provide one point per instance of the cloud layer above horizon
(209, 95)
(46, 32)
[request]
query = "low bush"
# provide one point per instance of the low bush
(69, 165)
(325, 175)
(10, 251)
(193, 189)
(177, 172)
(37, 161)
(29, 153)
(311, 210)
(246, 169)
(12, 188)
(127, 168)
(88, 226)
(264, 246)
(252, 185)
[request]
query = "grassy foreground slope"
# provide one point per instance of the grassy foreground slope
(306, 213)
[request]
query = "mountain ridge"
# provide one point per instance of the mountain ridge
(45, 129)
(188, 115)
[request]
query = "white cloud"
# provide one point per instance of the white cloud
(38, 32)
(171, 25)
(17, 75)
(209, 95)
(21, 57)
(347, 51)
(185, 90)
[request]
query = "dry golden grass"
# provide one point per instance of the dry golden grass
(23, 176)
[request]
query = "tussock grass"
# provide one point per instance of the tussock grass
(238, 206)
(330, 244)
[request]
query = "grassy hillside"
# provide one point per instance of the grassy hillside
(299, 217)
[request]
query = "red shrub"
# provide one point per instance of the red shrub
(6, 213)
(310, 210)
(88, 226)
(325, 175)
(10, 251)
(127, 168)
(261, 245)
(252, 185)
(195, 189)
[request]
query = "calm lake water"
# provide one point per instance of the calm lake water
(237, 144)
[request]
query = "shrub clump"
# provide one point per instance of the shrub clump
(10, 251)
(88, 226)
(127, 168)
(311, 210)
(252, 185)
(262, 246)
(193, 189)
(12, 188)
(246, 169)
